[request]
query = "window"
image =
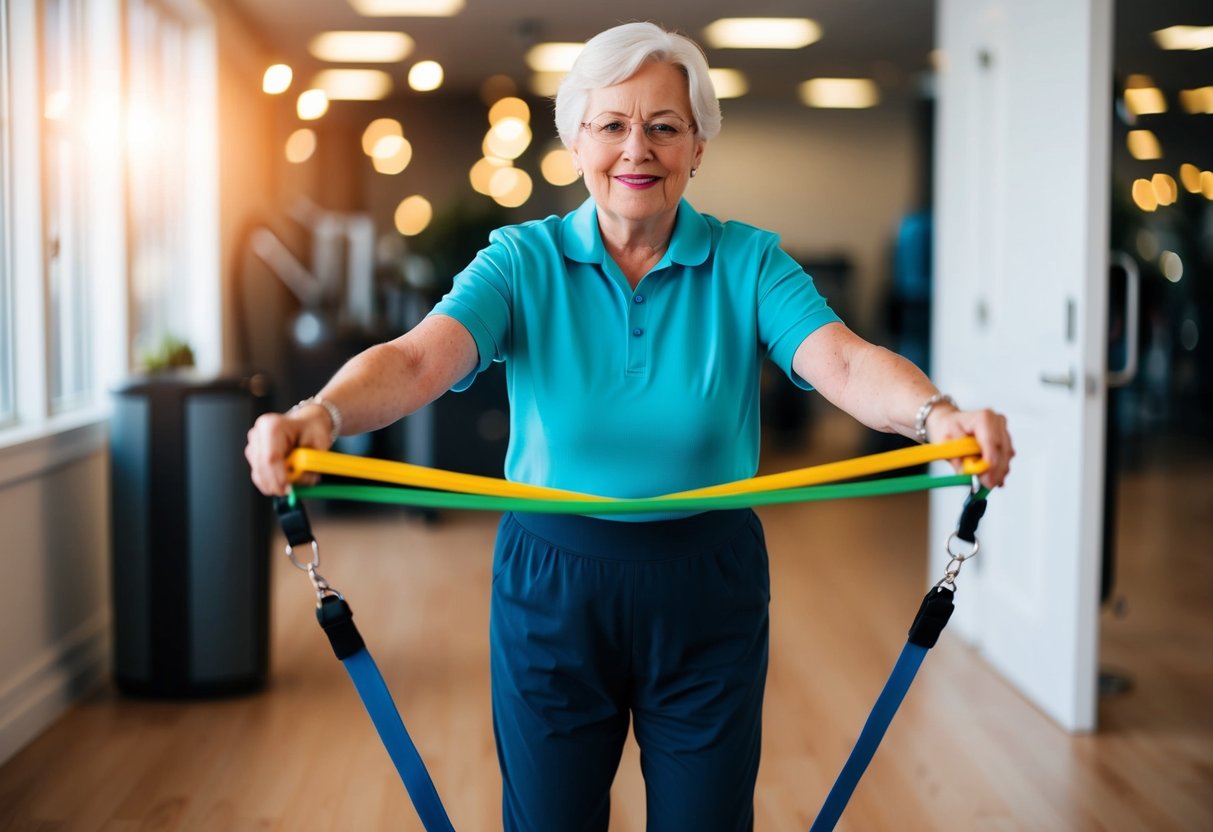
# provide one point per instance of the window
(108, 205)
(63, 104)
(172, 184)
(7, 342)
(156, 171)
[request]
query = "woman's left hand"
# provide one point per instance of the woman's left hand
(987, 427)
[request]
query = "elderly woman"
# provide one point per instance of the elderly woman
(633, 331)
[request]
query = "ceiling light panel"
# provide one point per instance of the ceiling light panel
(762, 33)
(407, 8)
(729, 83)
(840, 93)
(354, 84)
(1185, 37)
(553, 57)
(361, 47)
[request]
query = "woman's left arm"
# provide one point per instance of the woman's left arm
(885, 392)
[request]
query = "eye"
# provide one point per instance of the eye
(610, 127)
(665, 128)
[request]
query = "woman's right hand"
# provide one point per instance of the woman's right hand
(273, 437)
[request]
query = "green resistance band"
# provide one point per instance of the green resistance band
(446, 499)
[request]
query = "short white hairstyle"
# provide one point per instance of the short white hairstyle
(615, 55)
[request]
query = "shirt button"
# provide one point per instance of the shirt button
(639, 299)
(638, 331)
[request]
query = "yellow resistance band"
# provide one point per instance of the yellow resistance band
(303, 460)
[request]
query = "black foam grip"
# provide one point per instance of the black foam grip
(970, 516)
(932, 617)
(294, 522)
(337, 619)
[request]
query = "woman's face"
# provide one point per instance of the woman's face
(638, 180)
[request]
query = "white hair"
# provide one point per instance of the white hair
(615, 55)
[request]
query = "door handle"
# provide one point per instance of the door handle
(1121, 377)
(1068, 380)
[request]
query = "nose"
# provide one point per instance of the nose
(637, 144)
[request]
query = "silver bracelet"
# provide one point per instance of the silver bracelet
(924, 412)
(329, 407)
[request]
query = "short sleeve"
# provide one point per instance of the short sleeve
(789, 307)
(480, 300)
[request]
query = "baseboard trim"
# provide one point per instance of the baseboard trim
(41, 692)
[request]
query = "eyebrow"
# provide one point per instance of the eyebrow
(654, 114)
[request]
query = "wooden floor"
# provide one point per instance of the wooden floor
(965, 753)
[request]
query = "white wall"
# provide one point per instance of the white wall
(828, 181)
(55, 614)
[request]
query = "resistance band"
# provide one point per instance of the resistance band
(492, 494)
(303, 460)
(446, 499)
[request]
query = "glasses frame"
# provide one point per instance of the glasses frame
(594, 129)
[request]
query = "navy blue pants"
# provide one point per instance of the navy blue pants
(595, 622)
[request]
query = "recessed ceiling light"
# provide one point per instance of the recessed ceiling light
(1189, 174)
(844, 93)
(553, 57)
(1143, 144)
(361, 47)
(376, 130)
(413, 214)
(762, 33)
(354, 84)
(1199, 100)
(311, 104)
(1145, 101)
(407, 8)
(277, 79)
(426, 76)
(1185, 37)
(300, 145)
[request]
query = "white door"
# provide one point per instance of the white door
(1022, 180)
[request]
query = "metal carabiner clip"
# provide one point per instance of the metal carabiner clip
(321, 586)
(306, 567)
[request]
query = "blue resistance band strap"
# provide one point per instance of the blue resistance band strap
(337, 619)
(932, 617)
(378, 701)
(873, 732)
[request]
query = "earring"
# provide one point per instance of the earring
(578, 173)
(693, 172)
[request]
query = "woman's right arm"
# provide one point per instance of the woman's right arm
(375, 388)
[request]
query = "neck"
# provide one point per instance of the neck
(640, 240)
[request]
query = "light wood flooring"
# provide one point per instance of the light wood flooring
(965, 752)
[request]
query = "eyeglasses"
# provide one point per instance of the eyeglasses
(665, 130)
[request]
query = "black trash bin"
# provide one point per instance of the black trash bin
(190, 538)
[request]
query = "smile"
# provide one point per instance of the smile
(637, 181)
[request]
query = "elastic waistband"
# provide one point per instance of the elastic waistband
(649, 540)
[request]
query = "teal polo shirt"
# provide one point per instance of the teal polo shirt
(634, 393)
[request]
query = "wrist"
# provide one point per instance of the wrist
(929, 407)
(334, 415)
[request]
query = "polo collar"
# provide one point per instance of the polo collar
(581, 238)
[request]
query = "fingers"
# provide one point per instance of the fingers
(989, 428)
(270, 440)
